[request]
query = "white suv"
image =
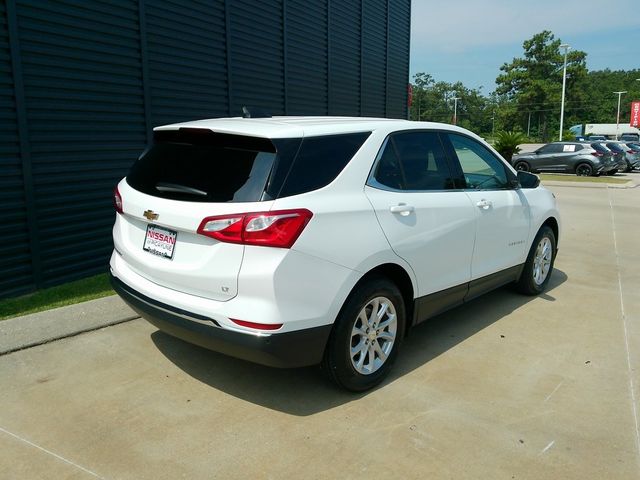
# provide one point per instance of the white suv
(293, 241)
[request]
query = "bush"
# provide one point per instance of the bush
(507, 143)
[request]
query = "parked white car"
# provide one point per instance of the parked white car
(293, 241)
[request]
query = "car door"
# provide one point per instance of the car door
(502, 211)
(544, 157)
(427, 221)
(553, 158)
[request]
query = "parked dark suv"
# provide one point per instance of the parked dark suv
(567, 157)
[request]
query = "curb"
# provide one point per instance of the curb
(43, 327)
(557, 183)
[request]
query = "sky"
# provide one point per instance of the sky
(469, 40)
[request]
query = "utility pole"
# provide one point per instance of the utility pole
(493, 124)
(529, 124)
(455, 110)
(618, 115)
(564, 83)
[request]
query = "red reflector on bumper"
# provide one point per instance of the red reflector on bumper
(257, 326)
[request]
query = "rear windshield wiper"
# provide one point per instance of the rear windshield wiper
(172, 187)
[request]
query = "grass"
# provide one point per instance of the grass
(67, 294)
(576, 178)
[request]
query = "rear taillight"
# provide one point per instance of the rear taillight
(597, 154)
(117, 200)
(632, 152)
(280, 228)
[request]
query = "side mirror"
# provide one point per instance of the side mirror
(528, 180)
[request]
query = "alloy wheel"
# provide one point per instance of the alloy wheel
(373, 335)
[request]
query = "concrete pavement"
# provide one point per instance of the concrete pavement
(43, 327)
(505, 387)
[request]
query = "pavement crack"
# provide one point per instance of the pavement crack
(49, 452)
(625, 328)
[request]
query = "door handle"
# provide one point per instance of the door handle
(484, 204)
(402, 209)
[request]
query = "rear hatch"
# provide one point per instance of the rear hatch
(607, 156)
(186, 176)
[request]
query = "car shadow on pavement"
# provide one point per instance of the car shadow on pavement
(305, 391)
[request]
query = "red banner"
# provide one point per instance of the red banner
(635, 114)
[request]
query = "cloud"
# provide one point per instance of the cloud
(462, 25)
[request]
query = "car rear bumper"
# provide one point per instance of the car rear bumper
(296, 348)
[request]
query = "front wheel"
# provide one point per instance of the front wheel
(522, 167)
(539, 264)
(366, 336)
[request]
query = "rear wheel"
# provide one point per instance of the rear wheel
(612, 172)
(539, 264)
(584, 170)
(522, 166)
(366, 336)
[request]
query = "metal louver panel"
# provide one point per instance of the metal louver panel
(344, 52)
(15, 256)
(374, 57)
(398, 66)
(187, 60)
(306, 30)
(82, 80)
(256, 55)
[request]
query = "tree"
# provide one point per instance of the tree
(433, 101)
(534, 83)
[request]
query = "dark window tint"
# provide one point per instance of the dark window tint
(414, 161)
(551, 148)
(482, 169)
(598, 147)
(320, 160)
(615, 147)
(388, 171)
(204, 167)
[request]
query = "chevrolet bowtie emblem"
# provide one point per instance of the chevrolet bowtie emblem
(150, 215)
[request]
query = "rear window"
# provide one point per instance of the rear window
(202, 166)
(615, 147)
(600, 148)
(199, 165)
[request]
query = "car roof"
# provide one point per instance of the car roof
(287, 127)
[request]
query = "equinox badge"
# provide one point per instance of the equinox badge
(150, 215)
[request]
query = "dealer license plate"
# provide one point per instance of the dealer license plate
(160, 241)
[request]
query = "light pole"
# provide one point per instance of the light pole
(618, 115)
(455, 110)
(564, 84)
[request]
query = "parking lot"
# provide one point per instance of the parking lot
(506, 387)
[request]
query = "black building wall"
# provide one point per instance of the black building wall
(82, 83)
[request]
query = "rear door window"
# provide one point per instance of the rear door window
(414, 161)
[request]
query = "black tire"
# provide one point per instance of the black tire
(522, 166)
(528, 284)
(584, 170)
(612, 172)
(337, 361)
